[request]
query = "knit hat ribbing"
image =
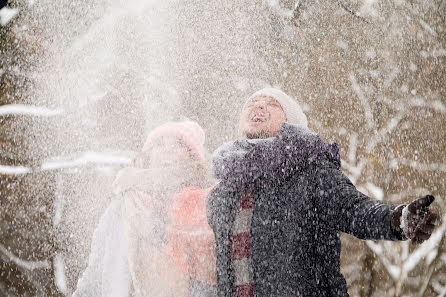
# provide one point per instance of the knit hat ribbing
(190, 133)
(293, 112)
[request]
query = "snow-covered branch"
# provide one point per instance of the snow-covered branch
(14, 170)
(365, 104)
(380, 136)
(352, 169)
(84, 159)
(427, 247)
(439, 288)
(7, 14)
(393, 270)
(278, 10)
(28, 265)
(393, 74)
(436, 105)
(353, 145)
(22, 109)
(416, 102)
(59, 274)
(383, 133)
(428, 28)
(424, 251)
(420, 166)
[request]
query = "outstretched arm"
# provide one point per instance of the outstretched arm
(107, 271)
(350, 211)
(346, 209)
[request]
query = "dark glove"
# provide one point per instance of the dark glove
(415, 221)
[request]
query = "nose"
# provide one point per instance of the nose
(260, 105)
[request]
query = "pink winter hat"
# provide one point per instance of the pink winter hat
(190, 133)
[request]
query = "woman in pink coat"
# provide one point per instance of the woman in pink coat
(154, 240)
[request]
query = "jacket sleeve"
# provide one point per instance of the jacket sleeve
(347, 210)
(107, 262)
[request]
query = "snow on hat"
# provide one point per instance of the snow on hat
(293, 112)
(190, 133)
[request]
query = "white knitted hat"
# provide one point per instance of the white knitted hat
(293, 112)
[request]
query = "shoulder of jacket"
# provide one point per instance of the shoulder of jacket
(323, 166)
(220, 194)
(218, 188)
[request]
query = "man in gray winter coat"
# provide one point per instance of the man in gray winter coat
(282, 201)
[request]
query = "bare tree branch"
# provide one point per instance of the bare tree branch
(297, 10)
(355, 14)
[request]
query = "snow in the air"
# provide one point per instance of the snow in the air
(7, 14)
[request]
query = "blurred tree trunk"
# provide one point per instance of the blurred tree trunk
(26, 213)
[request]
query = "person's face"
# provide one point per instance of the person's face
(165, 152)
(261, 118)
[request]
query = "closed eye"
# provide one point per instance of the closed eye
(274, 103)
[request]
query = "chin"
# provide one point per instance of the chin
(255, 130)
(258, 134)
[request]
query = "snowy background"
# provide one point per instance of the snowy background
(82, 82)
